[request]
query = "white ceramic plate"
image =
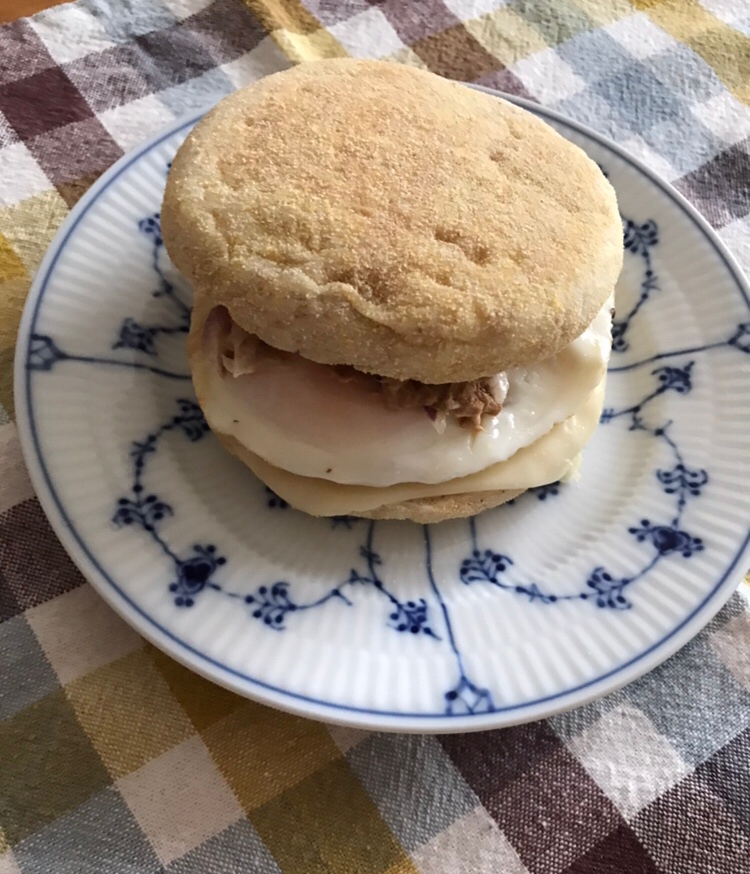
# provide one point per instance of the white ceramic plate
(530, 609)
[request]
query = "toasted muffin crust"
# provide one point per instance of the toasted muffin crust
(376, 215)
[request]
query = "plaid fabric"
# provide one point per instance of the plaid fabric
(114, 758)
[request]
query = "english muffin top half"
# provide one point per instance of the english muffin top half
(371, 214)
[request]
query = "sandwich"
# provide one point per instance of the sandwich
(403, 289)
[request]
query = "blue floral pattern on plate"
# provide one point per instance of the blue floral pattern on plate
(273, 603)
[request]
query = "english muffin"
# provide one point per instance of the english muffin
(403, 289)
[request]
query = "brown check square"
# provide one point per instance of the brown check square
(112, 77)
(75, 151)
(491, 760)
(553, 813)
(33, 565)
(414, 21)
(41, 103)
(618, 853)
(22, 53)
(456, 54)
(720, 188)
(226, 30)
(727, 775)
(690, 828)
(175, 55)
(9, 606)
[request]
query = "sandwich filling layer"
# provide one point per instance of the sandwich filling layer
(554, 457)
(337, 425)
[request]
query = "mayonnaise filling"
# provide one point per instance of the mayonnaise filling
(312, 425)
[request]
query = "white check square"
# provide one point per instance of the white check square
(367, 35)
(547, 76)
(631, 762)
(640, 36)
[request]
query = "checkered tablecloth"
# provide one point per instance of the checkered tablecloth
(115, 759)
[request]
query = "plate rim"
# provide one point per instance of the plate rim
(266, 693)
